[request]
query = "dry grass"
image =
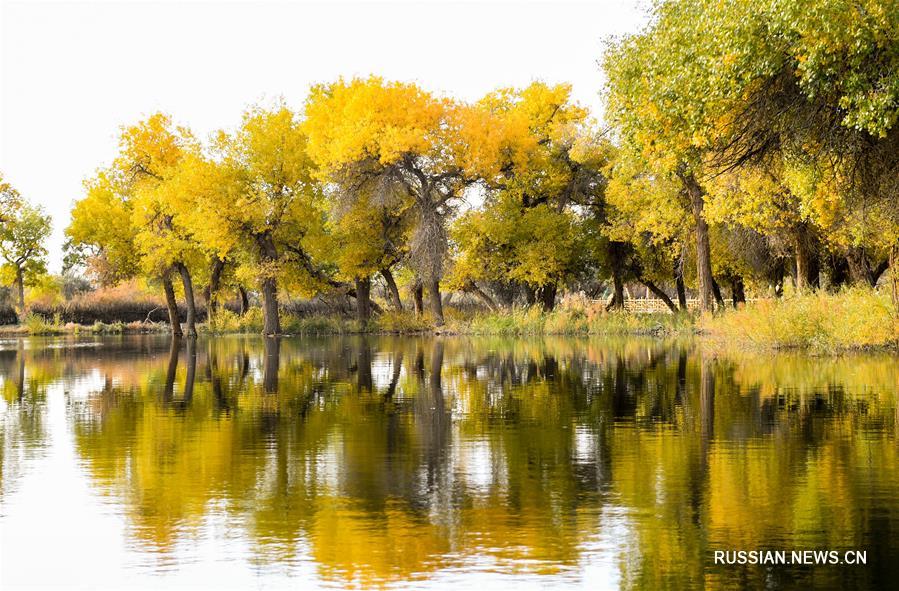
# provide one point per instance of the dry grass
(851, 319)
(124, 303)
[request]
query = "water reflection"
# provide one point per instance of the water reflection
(390, 461)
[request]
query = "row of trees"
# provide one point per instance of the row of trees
(748, 144)
(366, 182)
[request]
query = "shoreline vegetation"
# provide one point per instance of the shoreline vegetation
(852, 320)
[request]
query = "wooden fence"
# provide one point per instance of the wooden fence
(655, 305)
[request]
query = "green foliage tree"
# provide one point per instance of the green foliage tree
(23, 249)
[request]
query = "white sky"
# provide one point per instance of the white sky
(71, 73)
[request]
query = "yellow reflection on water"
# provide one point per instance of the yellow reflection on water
(384, 462)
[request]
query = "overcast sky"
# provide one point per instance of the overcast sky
(74, 72)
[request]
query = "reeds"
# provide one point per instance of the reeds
(854, 318)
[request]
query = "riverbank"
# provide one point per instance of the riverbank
(855, 319)
(516, 322)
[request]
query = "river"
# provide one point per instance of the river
(441, 462)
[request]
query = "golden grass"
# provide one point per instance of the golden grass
(851, 319)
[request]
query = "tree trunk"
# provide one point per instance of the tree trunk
(215, 281)
(801, 266)
(681, 291)
(418, 298)
(894, 275)
(363, 300)
(813, 276)
(859, 267)
(617, 302)
(679, 281)
(879, 270)
(436, 303)
(188, 284)
(20, 287)
(777, 277)
(392, 290)
(807, 266)
(243, 301)
(271, 322)
(482, 295)
(172, 305)
(655, 289)
(738, 294)
(530, 295)
(716, 290)
(703, 250)
(548, 296)
(838, 270)
(617, 252)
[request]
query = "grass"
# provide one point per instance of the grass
(226, 321)
(38, 325)
(572, 321)
(853, 319)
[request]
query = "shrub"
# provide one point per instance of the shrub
(657, 323)
(38, 325)
(225, 321)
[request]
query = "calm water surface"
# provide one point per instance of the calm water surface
(245, 463)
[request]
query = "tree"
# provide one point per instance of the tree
(709, 88)
(150, 154)
(539, 160)
(267, 202)
(102, 229)
(369, 236)
(645, 84)
(127, 220)
(10, 201)
(536, 246)
(197, 181)
(406, 140)
(22, 248)
(647, 220)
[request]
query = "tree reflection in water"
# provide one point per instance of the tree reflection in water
(387, 459)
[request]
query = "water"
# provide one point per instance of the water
(245, 463)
